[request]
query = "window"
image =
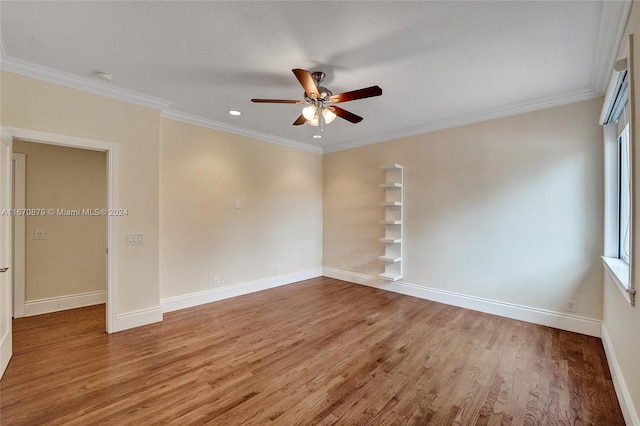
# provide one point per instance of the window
(624, 194)
(618, 257)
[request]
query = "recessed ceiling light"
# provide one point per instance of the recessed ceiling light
(234, 112)
(317, 136)
(104, 75)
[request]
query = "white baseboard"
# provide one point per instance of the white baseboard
(622, 391)
(137, 318)
(175, 303)
(574, 323)
(62, 303)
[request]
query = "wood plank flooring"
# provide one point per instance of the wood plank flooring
(321, 351)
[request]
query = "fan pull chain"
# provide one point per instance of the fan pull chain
(319, 128)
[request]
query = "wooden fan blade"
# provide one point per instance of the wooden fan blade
(304, 77)
(367, 92)
(277, 101)
(343, 113)
(300, 120)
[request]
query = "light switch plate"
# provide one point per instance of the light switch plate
(135, 239)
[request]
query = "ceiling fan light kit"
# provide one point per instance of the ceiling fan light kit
(328, 115)
(309, 112)
(319, 100)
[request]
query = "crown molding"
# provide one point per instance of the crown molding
(40, 72)
(611, 28)
(69, 80)
(515, 108)
(613, 21)
(223, 127)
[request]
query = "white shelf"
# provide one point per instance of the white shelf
(393, 202)
(390, 277)
(392, 185)
(390, 240)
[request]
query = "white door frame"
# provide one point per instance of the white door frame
(19, 202)
(111, 150)
(6, 334)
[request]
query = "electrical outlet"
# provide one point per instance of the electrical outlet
(216, 283)
(275, 271)
(343, 265)
(357, 268)
(572, 305)
(366, 270)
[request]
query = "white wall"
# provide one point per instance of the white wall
(508, 210)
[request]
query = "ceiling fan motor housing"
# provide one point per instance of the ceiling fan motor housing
(325, 94)
(318, 77)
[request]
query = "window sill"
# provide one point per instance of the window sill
(618, 270)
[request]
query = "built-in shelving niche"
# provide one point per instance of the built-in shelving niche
(392, 221)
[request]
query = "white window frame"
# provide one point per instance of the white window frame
(624, 189)
(619, 267)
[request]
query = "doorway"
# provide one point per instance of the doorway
(59, 228)
(111, 153)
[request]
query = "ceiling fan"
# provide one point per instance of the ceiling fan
(320, 101)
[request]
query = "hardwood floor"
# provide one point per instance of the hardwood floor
(321, 351)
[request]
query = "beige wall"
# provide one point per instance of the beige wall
(508, 209)
(622, 321)
(278, 226)
(202, 235)
(37, 105)
(71, 259)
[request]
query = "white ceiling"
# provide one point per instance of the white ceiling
(440, 64)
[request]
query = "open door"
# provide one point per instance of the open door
(5, 251)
